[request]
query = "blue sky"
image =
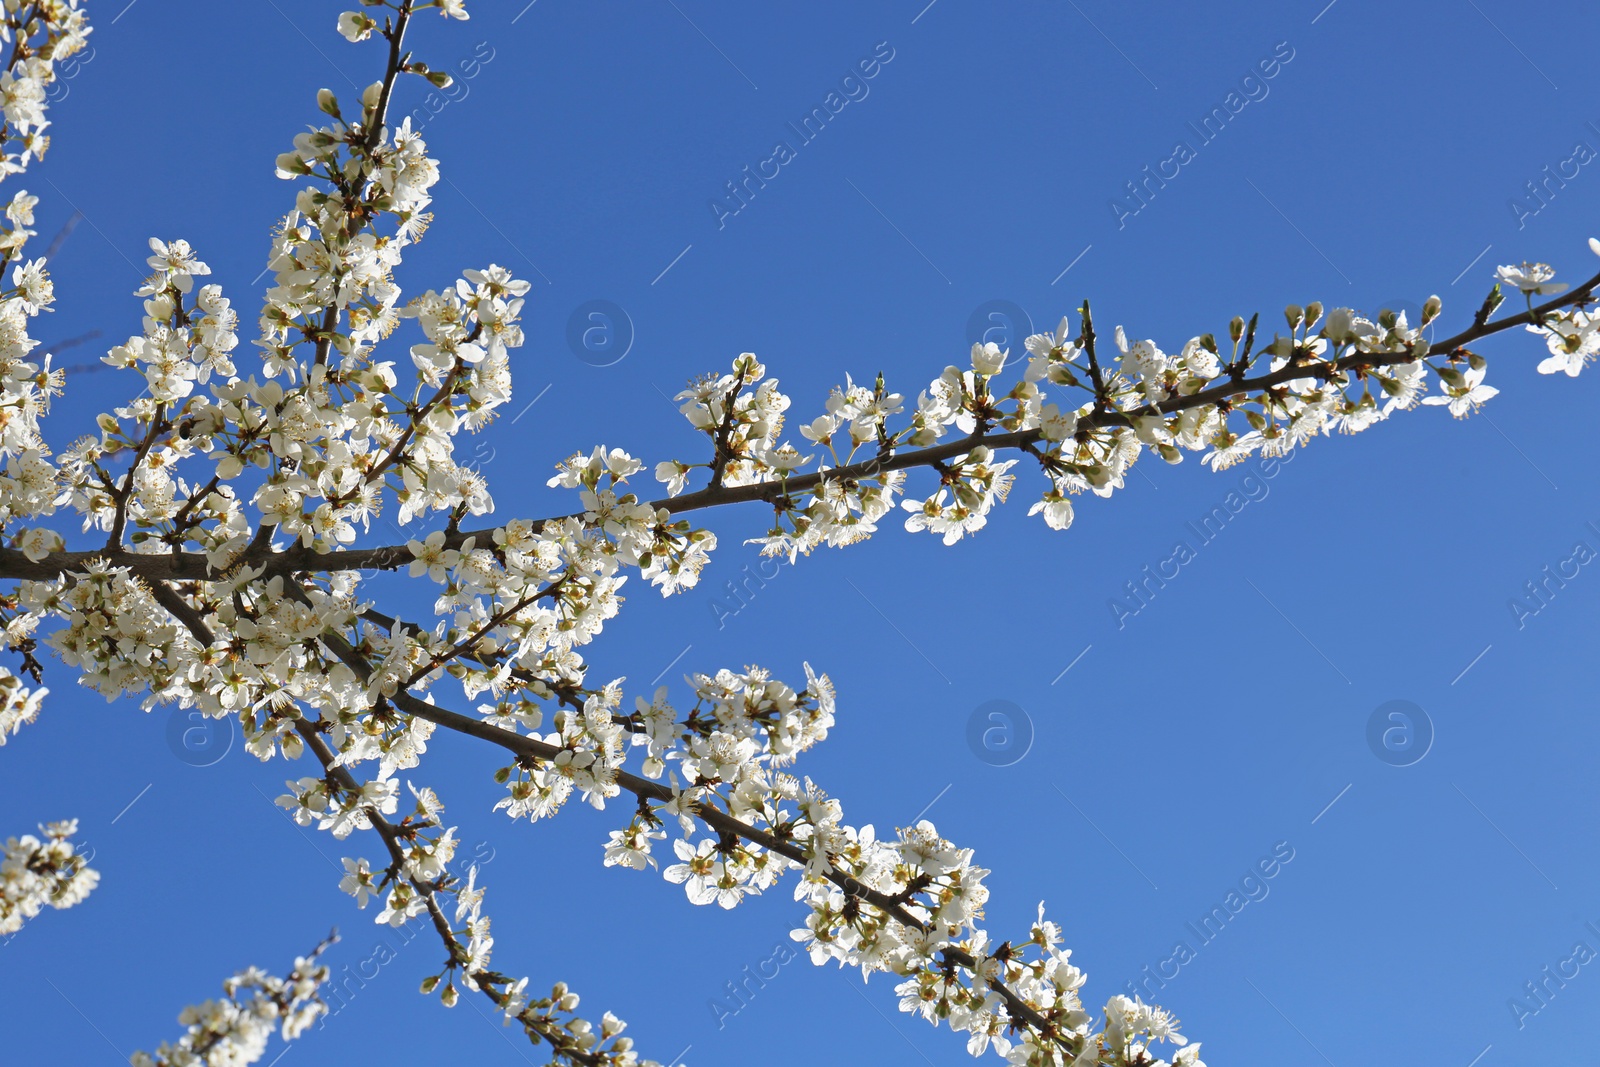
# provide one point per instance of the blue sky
(1173, 749)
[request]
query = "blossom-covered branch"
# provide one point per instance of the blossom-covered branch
(417, 881)
(236, 1029)
(36, 873)
(38, 34)
(1347, 350)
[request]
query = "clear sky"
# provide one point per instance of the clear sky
(1173, 747)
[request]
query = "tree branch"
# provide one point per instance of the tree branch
(296, 560)
(645, 789)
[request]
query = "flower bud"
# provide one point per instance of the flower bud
(1491, 302)
(1341, 322)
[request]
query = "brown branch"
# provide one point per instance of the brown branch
(179, 609)
(61, 236)
(720, 452)
(466, 644)
(451, 381)
(396, 37)
(330, 321)
(178, 520)
(121, 496)
(1087, 337)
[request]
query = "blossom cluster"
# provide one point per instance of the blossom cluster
(19, 705)
(234, 1030)
(114, 632)
(36, 872)
(670, 554)
(1571, 334)
(29, 483)
(38, 35)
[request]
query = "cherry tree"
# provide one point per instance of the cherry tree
(208, 545)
